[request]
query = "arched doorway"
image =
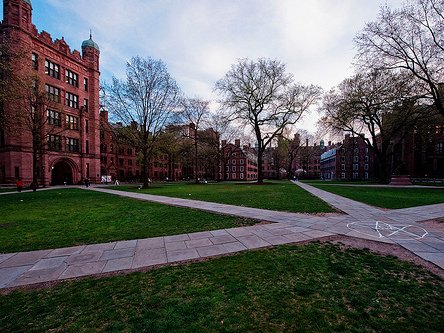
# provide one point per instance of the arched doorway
(61, 174)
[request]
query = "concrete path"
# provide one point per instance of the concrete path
(362, 221)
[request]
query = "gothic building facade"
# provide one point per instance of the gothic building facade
(50, 131)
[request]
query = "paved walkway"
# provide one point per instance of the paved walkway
(362, 221)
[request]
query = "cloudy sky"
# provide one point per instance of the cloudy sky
(200, 39)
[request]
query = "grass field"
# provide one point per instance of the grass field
(388, 197)
(309, 288)
(68, 217)
(283, 195)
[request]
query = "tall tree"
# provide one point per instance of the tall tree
(261, 95)
(147, 101)
(195, 112)
(379, 106)
(409, 39)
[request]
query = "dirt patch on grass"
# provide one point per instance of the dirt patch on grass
(435, 224)
(384, 249)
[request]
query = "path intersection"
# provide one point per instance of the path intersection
(400, 226)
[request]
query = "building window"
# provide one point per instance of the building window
(54, 142)
(72, 78)
(129, 151)
(86, 126)
(241, 169)
(87, 146)
(233, 176)
(366, 175)
(342, 158)
(227, 168)
(355, 166)
(355, 175)
(72, 145)
(72, 100)
(366, 150)
(85, 105)
(2, 137)
(233, 168)
(17, 171)
(366, 159)
(130, 162)
(242, 161)
(355, 159)
(121, 162)
(53, 117)
(439, 148)
(343, 175)
(35, 61)
(72, 122)
(85, 84)
(53, 93)
(342, 166)
(366, 166)
(52, 69)
(241, 176)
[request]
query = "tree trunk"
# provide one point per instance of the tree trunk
(260, 173)
(196, 179)
(145, 164)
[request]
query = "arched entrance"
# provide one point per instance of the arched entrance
(61, 174)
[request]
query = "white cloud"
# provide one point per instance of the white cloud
(200, 39)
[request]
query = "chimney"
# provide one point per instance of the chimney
(306, 142)
(237, 143)
(224, 143)
(329, 143)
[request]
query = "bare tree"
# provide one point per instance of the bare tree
(195, 112)
(409, 39)
(261, 95)
(376, 106)
(146, 102)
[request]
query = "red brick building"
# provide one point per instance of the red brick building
(70, 121)
(308, 159)
(241, 163)
(118, 159)
(351, 160)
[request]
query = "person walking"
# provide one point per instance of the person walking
(19, 185)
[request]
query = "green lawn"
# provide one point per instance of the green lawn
(278, 195)
(330, 182)
(309, 288)
(68, 217)
(388, 197)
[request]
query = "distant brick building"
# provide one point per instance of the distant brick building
(241, 163)
(69, 127)
(118, 158)
(350, 160)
